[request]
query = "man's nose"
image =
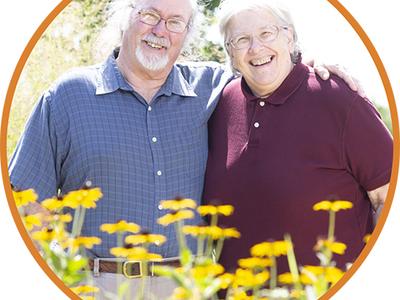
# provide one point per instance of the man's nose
(161, 28)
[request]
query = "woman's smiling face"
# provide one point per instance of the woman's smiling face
(264, 65)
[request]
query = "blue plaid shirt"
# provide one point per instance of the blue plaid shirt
(91, 125)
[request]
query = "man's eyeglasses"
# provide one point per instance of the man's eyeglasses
(267, 34)
(152, 18)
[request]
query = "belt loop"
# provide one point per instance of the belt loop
(96, 267)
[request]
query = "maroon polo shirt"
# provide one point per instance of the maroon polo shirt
(274, 158)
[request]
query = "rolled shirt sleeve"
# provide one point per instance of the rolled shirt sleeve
(37, 153)
(368, 145)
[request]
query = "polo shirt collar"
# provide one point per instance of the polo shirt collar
(285, 90)
(110, 79)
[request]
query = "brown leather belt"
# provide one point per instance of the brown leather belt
(130, 269)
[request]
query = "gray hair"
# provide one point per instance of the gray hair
(117, 17)
(230, 8)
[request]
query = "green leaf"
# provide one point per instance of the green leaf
(77, 264)
(212, 288)
(186, 257)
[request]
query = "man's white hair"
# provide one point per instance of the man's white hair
(117, 17)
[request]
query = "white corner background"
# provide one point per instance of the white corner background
(377, 278)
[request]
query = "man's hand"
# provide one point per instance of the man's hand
(324, 71)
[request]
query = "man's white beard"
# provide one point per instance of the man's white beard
(151, 62)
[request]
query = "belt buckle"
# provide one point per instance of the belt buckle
(125, 271)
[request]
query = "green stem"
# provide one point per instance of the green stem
(331, 229)
(200, 246)
(75, 222)
(218, 248)
(291, 257)
(145, 273)
(272, 282)
(119, 263)
(179, 235)
(213, 222)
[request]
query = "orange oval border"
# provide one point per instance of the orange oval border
(6, 180)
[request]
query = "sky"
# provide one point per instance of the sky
(378, 276)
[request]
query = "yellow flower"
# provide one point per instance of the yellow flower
(83, 289)
(323, 205)
(207, 270)
(137, 239)
(331, 274)
(141, 255)
(254, 262)
(53, 204)
(230, 233)
(175, 217)
(316, 270)
(277, 248)
(87, 242)
(214, 232)
(134, 253)
(240, 295)
(193, 230)
(366, 238)
(226, 280)
(25, 197)
(247, 278)
(121, 226)
(225, 210)
(178, 204)
(339, 205)
(31, 221)
(332, 205)
(85, 197)
(287, 278)
(58, 218)
(335, 247)
(180, 293)
(48, 235)
(120, 251)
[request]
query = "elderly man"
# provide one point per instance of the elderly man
(136, 126)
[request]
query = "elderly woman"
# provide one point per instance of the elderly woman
(281, 140)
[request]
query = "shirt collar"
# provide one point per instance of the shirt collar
(110, 79)
(291, 83)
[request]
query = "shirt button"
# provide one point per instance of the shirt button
(149, 108)
(262, 103)
(154, 139)
(159, 173)
(256, 124)
(159, 207)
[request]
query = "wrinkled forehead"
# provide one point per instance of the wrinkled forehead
(250, 20)
(168, 8)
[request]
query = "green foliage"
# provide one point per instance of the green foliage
(210, 5)
(68, 42)
(385, 114)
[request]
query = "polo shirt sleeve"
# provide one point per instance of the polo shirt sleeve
(35, 163)
(368, 145)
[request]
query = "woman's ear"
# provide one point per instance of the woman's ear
(290, 38)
